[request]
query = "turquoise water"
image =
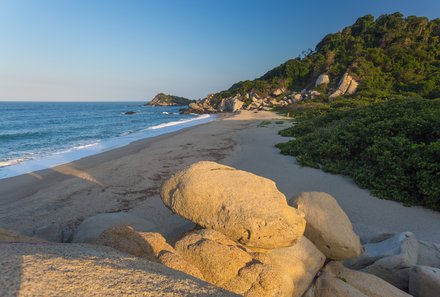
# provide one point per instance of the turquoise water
(35, 135)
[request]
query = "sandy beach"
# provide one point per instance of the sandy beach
(129, 179)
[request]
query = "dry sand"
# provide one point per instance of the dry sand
(128, 179)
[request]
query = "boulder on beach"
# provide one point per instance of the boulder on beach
(91, 228)
(68, 269)
(297, 265)
(245, 207)
(229, 265)
(338, 281)
(390, 259)
(429, 254)
(328, 227)
(424, 281)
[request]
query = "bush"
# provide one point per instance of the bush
(392, 148)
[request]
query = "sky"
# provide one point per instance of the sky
(106, 50)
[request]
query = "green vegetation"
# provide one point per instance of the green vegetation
(390, 56)
(391, 148)
(383, 140)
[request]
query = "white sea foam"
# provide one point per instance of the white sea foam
(19, 166)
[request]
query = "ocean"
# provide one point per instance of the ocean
(39, 135)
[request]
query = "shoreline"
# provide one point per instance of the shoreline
(129, 178)
(76, 153)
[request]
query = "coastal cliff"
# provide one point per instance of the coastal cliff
(162, 99)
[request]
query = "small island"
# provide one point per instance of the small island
(162, 99)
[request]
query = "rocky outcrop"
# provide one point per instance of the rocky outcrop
(347, 86)
(91, 228)
(225, 199)
(162, 99)
(390, 259)
(322, 79)
(233, 104)
(424, 281)
(65, 269)
(225, 263)
(338, 281)
(328, 227)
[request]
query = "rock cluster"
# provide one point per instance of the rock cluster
(276, 98)
(403, 261)
(248, 240)
(251, 242)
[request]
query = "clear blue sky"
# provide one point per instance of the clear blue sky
(129, 50)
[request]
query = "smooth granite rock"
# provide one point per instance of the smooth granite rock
(328, 227)
(338, 281)
(424, 281)
(297, 265)
(229, 265)
(390, 259)
(69, 269)
(245, 207)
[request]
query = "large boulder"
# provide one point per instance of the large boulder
(328, 227)
(229, 265)
(245, 207)
(150, 245)
(69, 269)
(390, 259)
(91, 228)
(278, 91)
(322, 79)
(424, 281)
(429, 254)
(297, 265)
(235, 105)
(338, 281)
(347, 86)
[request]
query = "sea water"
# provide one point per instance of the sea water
(39, 135)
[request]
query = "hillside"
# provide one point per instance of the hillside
(162, 99)
(391, 56)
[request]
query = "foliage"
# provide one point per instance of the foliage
(389, 55)
(392, 148)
